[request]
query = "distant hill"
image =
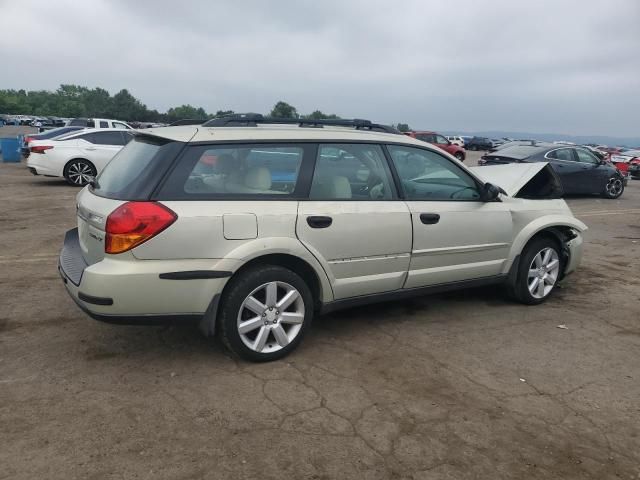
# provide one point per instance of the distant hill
(550, 137)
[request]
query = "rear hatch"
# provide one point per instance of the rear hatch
(131, 175)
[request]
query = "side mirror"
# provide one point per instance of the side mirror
(490, 192)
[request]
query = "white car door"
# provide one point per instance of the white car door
(354, 223)
(456, 235)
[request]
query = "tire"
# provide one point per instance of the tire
(535, 268)
(270, 332)
(79, 172)
(459, 156)
(614, 188)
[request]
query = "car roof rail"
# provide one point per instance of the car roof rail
(254, 119)
(187, 121)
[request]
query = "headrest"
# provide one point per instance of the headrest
(258, 178)
(340, 187)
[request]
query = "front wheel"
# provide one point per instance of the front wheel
(265, 312)
(79, 172)
(614, 188)
(538, 272)
(459, 156)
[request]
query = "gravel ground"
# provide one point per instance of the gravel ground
(455, 386)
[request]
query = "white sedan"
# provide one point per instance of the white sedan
(79, 156)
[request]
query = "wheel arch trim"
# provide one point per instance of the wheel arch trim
(553, 224)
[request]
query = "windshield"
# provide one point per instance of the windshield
(134, 171)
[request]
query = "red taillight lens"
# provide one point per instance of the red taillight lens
(40, 148)
(27, 140)
(133, 223)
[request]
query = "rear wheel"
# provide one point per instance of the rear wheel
(614, 188)
(538, 271)
(265, 312)
(79, 172)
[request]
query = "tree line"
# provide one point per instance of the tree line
(71, 101)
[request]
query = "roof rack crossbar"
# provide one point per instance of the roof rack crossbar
(253, 119)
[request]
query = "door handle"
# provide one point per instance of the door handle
(429, 218)
(91, 148)
(319, 222)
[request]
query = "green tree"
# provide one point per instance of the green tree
(222, 113)
(186, 111)
(98, 102)
(403, 127)
(77, 101)
(126, 106)
(284, 110)
(318, 115)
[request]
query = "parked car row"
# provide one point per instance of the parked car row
(627, 161)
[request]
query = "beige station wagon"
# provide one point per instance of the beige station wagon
(251, 226)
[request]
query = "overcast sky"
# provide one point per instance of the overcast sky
(538, 66)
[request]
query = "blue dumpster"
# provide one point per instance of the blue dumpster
(10, 149)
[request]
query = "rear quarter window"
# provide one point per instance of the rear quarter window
(135, 171)
(237, 171)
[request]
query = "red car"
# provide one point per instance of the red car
(628, 162)
(441, 142)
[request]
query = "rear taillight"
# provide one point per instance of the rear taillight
(40, 148)
(27, 139)
(133, 223)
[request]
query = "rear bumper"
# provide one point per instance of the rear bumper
(40, 167)
(121, 289)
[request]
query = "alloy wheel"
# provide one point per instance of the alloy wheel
(271, 317)
(80, 173)
(614, 187)
(543, 272)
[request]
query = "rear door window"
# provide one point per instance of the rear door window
(426, 137)
(104, 124)
(237, 171)
(564, 154)
(108, 138)
(351, 172)
(87, 137)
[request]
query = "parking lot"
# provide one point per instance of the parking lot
(453, 386)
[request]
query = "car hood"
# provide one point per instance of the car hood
(536, 180)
